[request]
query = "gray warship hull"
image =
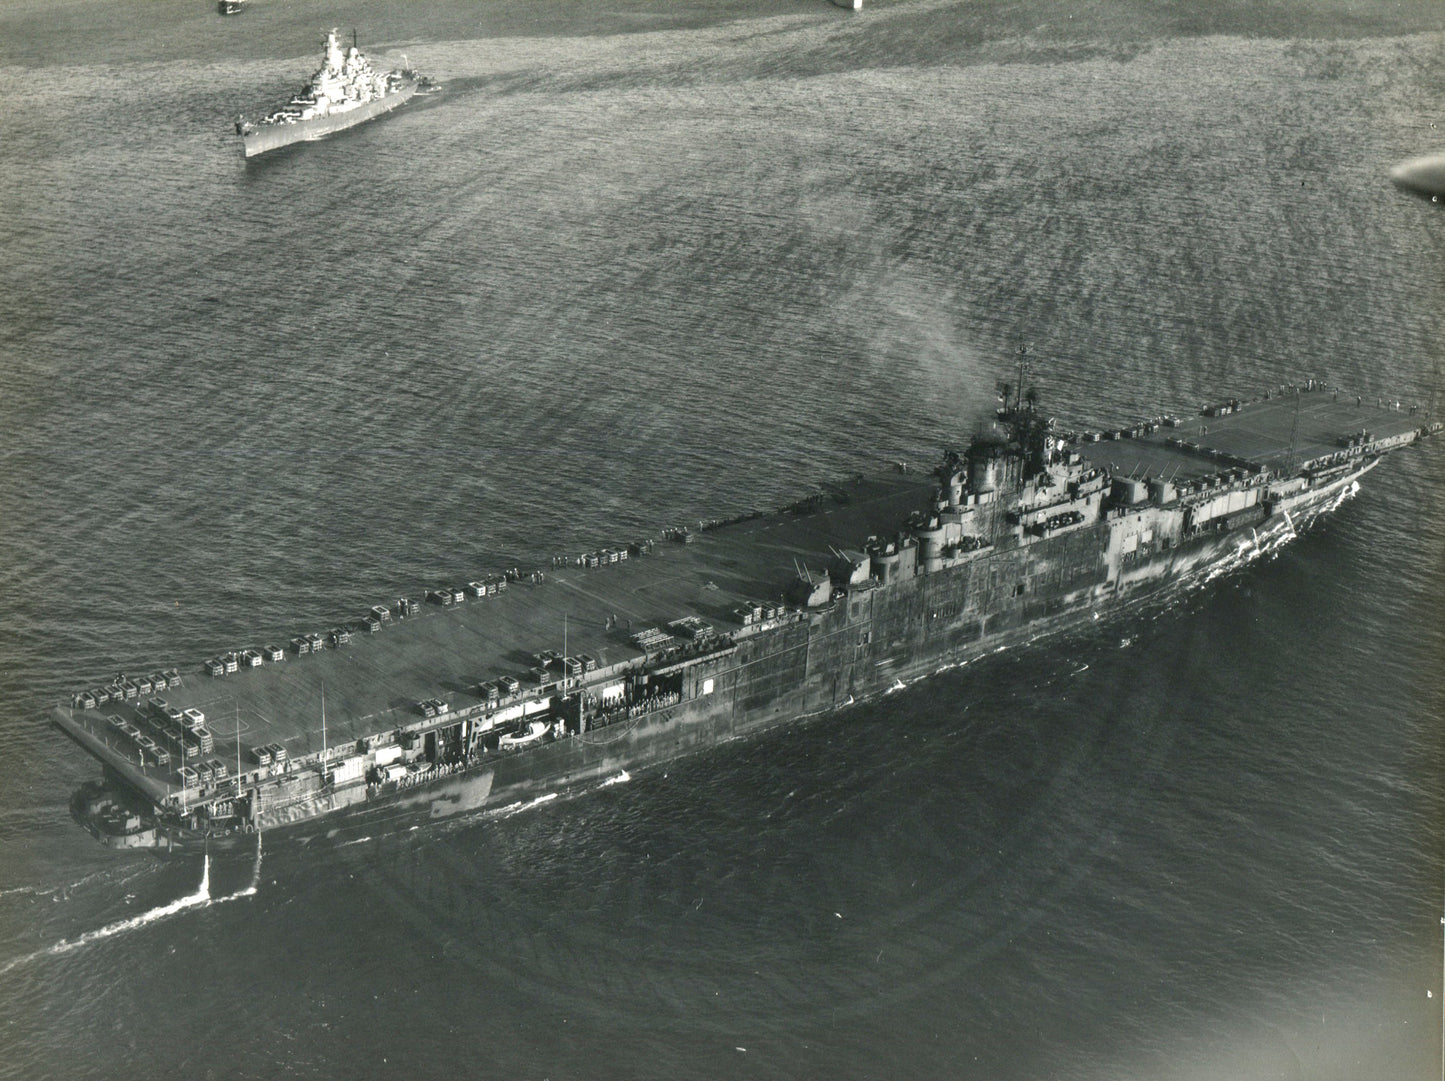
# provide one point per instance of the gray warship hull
(262, 138)
(1004, 552)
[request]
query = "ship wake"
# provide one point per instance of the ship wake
(524, 805)
(1257, 547)
(249, 890)
(201, 898)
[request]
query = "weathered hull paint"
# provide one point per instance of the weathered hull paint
(811, 667)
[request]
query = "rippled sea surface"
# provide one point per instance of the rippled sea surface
(638, 266)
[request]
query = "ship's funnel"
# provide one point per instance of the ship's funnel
(985, 462)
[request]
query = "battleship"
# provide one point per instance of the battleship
(524, 685)
(344, 92)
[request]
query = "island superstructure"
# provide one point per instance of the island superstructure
(521, 684)
(345, 91)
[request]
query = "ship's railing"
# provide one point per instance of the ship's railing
(638, 708)
(687, 659)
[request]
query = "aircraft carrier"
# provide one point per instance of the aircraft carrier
(525, 684)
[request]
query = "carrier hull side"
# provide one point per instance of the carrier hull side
(849, 652)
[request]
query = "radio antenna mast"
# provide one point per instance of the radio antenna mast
(1293, 462)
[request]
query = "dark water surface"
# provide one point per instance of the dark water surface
(638, 266)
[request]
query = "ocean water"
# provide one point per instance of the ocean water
(639, 266)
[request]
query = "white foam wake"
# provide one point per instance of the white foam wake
(520, 806)
(202, 896)
(621, 778)
(38, 891)
(248, 891)
(64, 891)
